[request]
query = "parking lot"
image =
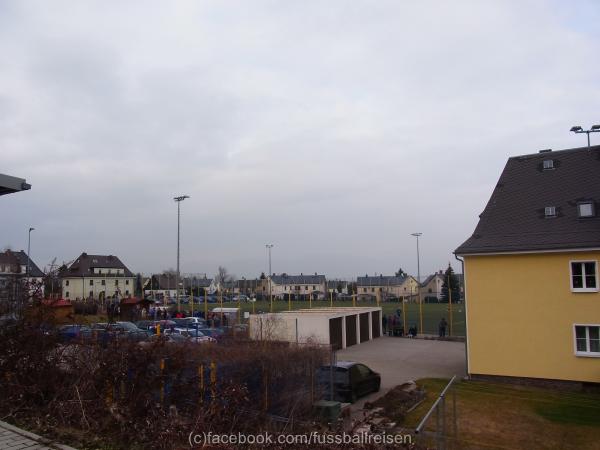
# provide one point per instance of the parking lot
(401, 359)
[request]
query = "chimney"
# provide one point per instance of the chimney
(548, 150)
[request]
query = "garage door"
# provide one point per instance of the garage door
(335, 333)
(376, 324)
(364, 327)
(350, 330)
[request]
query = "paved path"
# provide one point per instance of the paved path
(14, 438)
(399, 360)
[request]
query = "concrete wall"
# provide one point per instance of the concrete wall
(309, 326)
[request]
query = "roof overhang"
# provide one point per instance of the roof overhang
(10, 185)
(529, 252)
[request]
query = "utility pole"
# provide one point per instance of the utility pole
(178, 200)
(419, 281)
(28, 258)
(269, 247)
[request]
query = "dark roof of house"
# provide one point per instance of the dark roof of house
(431, 277)
(34, 270)
(19, 259)
(298, 279)
(84, 265)
(380, 280)
(514, 218)
(334, 283)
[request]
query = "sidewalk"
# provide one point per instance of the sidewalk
(14, 438)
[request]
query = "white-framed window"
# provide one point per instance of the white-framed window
(587, 339)
(585, 209)
(550, 211)
(584, 276)
(548, 164)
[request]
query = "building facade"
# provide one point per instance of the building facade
(531, 271)
(96, 277)
(302, 285)
(384, 287)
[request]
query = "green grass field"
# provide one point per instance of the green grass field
(432, 312)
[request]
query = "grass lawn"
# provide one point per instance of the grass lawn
(504, 416)
(432, 312)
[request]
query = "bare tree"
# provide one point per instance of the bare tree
(222, 278)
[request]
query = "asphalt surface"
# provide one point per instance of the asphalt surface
(399, 360)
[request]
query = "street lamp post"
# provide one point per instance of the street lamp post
(178, 200)
(269, 247)
(593, 129)
(419, 281)
(28, 257)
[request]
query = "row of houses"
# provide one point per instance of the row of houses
(106, 276)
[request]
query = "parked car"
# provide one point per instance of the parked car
(216, 333)
(117, 326)
(241, 298)
(190, 322)
(68, 333)
(351, 380)
(193, 335)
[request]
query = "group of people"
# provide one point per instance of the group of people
(393, 325)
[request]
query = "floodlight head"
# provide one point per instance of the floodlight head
(31, 229)
(416, 234)
(575, 129)
(596, 127)
(181, 198)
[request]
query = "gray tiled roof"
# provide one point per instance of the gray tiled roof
(513, 219)
(34, 270)
(381, 280)
(298, 279)
(84, 265)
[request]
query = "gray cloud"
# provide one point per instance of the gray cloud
(331, 129)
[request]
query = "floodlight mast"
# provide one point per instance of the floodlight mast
(594, 129)
(178, 199)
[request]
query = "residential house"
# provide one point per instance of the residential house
(302, 285)
(531, 271)
(96, 277)
(384, 287)
(337, 287)
(13, 269)
(251, 287)
(431, 288)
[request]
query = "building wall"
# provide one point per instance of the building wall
(406, 290)
(305, 289)
(520, 316)
(80, 287)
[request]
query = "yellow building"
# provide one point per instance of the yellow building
(531, 271)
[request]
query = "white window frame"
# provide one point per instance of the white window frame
(550, 211)
(548, 164)
(582, 261)
(580, 204)
(587, 338)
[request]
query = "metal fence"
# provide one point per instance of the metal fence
(442, 434)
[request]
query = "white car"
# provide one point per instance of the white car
(193, 335)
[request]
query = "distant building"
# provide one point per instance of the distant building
(431, 288)
(96, 277)
(531, 271)
(337, 286)
(13, 270)
(302, 285)
(384, 287)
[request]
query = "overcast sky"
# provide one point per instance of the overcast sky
(332, 129)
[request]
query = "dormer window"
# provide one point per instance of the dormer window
(585, 209)
(548, 164)
(550, 211)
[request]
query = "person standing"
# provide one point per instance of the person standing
(442, 327)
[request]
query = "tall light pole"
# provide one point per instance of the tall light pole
(593, 129)
(269, 247)
(419, 281)
(28, 257)
(178, 200)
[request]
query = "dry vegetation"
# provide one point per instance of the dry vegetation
(506, 416)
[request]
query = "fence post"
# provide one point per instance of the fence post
(213, 380)
(162, 380)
